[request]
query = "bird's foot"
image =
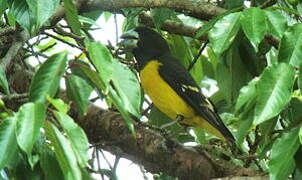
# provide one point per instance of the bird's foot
(178, 119)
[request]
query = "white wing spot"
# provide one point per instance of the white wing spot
(192, 88)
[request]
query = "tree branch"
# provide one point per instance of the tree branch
(154, 152)
(21, 37)
(200, 10)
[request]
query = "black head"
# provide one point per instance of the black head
(145, 44)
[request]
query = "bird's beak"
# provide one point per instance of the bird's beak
(129, 41)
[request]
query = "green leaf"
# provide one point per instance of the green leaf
(50, 164)
(200, 136)
(244, 125)
(30, 118)
(297, 175)
(102, 60)
(95, 78)
(233, 4)
(125, 82)
(300, 135)
(47, 79)
(253, 23)
(224, 32)
(300, 78)
(76, 136)
(290, 46)
(23, 15)
(276, 23)
(3, 82)
(59, 104)
(205, 28)
(88, 21)
(3, 6)
(72, 16)
(128, 88)
(42, 9)
(231, 74)
(247, 94)
(8, 142)
(281, 162)
(78, 90)
(64, 153)
(274, 91)
(160, 15)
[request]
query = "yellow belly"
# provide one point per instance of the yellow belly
(161, 94)
(167, 100)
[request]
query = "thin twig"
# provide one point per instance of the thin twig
(62, 40)
(116, 29)
(62, 32)
(16, 97)
(107, 161)
(268, 3)
(197, 56)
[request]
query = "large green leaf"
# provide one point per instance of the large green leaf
(253, 23)
(78, 90)
(50, 164)
(224, 32)
(124, 80)
(205, 28)
(23, 15)
(128, 88)
(98, 82)
(281, 162)
(290, 46)
(42, 9)
(102, 60)
(64, 153)
(274, 91)
(76, 136)
(47, 79)
(30, 118)
(276, 23)
(72, 16)
(231, 74)
(8, 142)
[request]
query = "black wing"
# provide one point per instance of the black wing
(175, 74)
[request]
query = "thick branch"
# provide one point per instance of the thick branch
(190, 31)
(172, 27)
(154, 152)
(201, 10)
(14, 49)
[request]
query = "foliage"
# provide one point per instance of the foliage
(259, 85)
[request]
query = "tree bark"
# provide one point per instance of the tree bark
(150, 149)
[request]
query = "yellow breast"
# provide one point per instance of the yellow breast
(161, 94)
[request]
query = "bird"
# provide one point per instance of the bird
(169, 84)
